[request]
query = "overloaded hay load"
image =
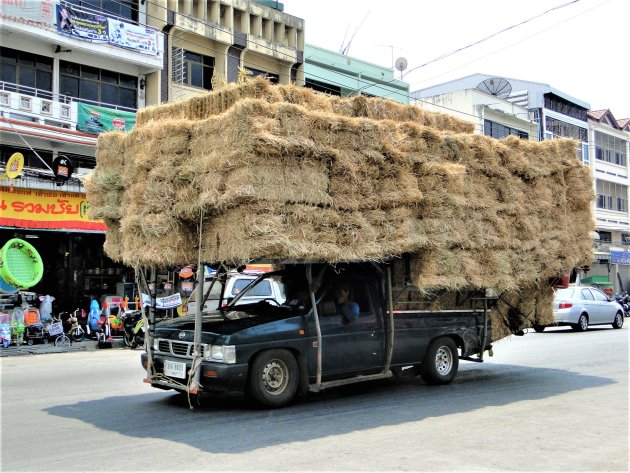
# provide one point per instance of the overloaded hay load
(281, 172)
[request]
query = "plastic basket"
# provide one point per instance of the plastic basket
(55, 328)
(20, 264)
(31, 316)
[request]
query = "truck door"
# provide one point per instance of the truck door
(349, 346)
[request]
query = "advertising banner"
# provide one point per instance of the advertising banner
(32, 208)
(82, 25)
(168, 302)
(29, 11)
(138, 38)
(620, 257)
(96, 120)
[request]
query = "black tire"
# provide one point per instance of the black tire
(128, 340)
(77, 335)
(539, 328)
(618, 322)
(440, 362)
(29, 342)
(582, 325)
(273, 378)
(62, 341)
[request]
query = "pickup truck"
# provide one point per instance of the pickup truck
(315, 339)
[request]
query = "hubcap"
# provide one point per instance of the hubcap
(618, 320)
(274, 377)
(583, 322)
(443, 360)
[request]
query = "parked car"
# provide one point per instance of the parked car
(236, 282)
(581, 306)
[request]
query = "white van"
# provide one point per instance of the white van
(236, 282)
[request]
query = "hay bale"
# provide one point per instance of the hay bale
(280, 172)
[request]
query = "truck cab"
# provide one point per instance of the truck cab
(309, 337)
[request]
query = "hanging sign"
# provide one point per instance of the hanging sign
(14, 165)
(127, 35)
(620, 257)
(81, 24)
(62, 168)
(168, 302)
(41, 11)
(96, 120)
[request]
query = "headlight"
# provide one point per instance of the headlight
(156, 343)
(222, 354)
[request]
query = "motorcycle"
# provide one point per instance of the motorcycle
(134, 329)
(624, 300)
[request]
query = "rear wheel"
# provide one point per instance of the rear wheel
(582, 324)
(62, 340)
(539, 328)
(618, 322)
(441, 362)
(273, 380)
(77, 334)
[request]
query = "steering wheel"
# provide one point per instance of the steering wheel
(270, 299)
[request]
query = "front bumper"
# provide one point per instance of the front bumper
(213, 376)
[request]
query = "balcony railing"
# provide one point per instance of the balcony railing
(45, 107)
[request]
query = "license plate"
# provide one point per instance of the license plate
(175, 369)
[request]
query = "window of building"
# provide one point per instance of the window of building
(323, 87)
(610, 149)
(198, 70)
(566, 130)
(563, 106)
(611, 196)
(273, 78)
(498, 131)
(127, 9)
(604, 237)
(625, 239)
(94, 85)
(26, 73)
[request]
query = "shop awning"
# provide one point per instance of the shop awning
(598, 280)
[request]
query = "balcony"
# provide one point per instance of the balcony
(134, 44)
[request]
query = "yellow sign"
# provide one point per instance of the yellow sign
(14, 165)
(32, 208)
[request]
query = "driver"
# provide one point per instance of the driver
(346, 307)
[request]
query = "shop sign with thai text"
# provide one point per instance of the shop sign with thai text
(40, 12)
(620, 257)
(33, 208)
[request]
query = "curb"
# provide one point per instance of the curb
(46, 348)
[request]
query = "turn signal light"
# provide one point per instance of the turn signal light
(565, 305)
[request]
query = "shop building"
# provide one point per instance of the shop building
(70, 70)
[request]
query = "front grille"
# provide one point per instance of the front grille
(170, 347)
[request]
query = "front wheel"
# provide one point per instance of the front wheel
(77, 334)
(128, 339)
(618, 322)
(62, 341)
(582, 324)
(441, 362)
(273, 379)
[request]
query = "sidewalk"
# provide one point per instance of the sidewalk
(44, 348)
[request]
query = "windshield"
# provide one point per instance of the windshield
(215, 291)
(286, 289)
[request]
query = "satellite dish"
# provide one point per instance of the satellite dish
(497, 86)
(401, 64)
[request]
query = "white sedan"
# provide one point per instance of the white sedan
(581, 306)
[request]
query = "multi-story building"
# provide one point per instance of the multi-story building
(603, 146)
(209, 41)
(609, 142)
(74, 68)
(70, 70)
(492, 114)
(337, 74)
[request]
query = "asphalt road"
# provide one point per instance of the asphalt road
(556, 401)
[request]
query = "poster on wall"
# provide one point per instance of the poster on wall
(138, 38)
(40, 12)
(81, 25)
(96, 120)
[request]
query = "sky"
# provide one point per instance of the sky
(580, 49)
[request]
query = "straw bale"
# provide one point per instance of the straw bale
(113, 240)
(220, 101)
(279, 172)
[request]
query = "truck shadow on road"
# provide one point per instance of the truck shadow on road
(232, 425)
